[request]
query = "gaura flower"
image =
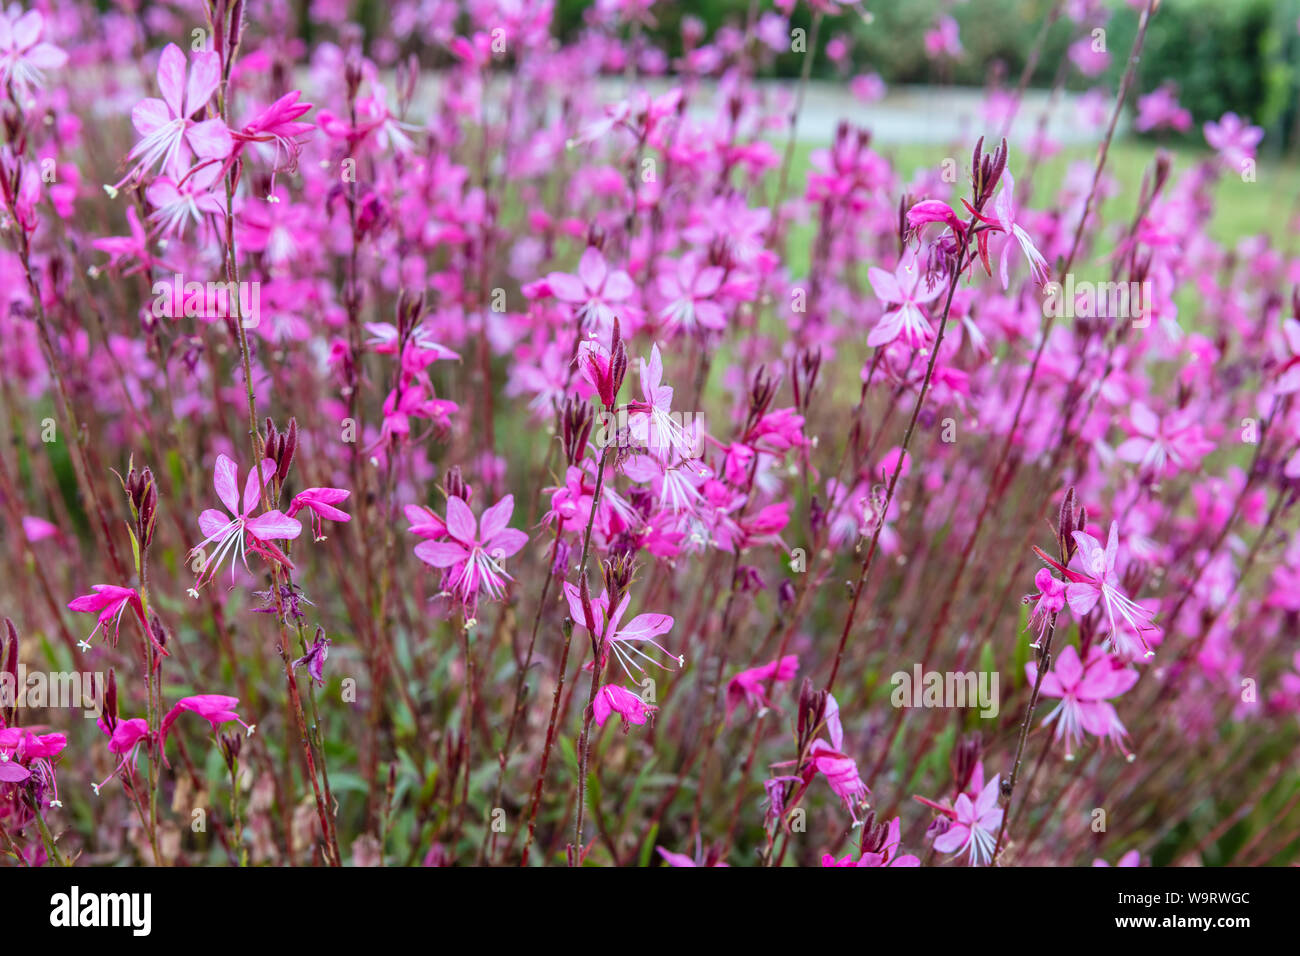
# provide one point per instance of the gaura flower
(1084, 689)
(613, 699)
(167, 124)
(320, 502)
(235, 532)
(473, 550)
(23, 56)
(974, 826)
(110, 602)
(216, 709)
(622, 638)
(751, 685)
(1093, 579)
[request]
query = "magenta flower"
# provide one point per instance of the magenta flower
(320, 502)
(278, 127)
(840, 770)
(314, 659)
(879, 848)
(974, 826)
(1131, 858)
(110, 602)
(651, 421)
(943, 39)
(613, 699)
(167, 124)
(216, 709)
(933, 210)
(27, 772)
(1288, 373)
(1051, 599)
(473, 550)
(1084, 690)
(751, 685)
(228, 531)
(125, 739)
(681, 859)
(621, 638)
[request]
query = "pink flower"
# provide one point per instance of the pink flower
(621, 638)
(651, 421)
(840, 770)
(320, 502)
(167, 125)
(933, 210)
(38, 529)
(751, 685)
(1093, 578)
(1234, 139)
(595, 292)
(1131, 858)
(943, 40)
(1087, 58)
(1051, 599)
(1084, 690)
(975, 826)
(315, 658)
(681, 859)
(688, 292)
(176, 204)
(1160, 108)
(110, 602)
(216, 709)
(227, 531)
(277, 126)
(1288, 374)
(907, 289)
(879, 847)
(1004, 220)
(613, 699)
(1164, 444)
(474, 550)
(23, 56)
(867, 87)
(27, 772)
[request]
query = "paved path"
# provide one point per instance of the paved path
(907, 114)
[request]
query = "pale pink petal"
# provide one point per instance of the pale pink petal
(253, 487)
(592, 269)
(171, 78)
(274, 525)
(210, 139)
(148, 115)
(494, 519)
(460, 521)
(441, 554)
(205, 74)
(225, 478)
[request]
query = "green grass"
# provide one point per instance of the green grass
(1241, 209)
